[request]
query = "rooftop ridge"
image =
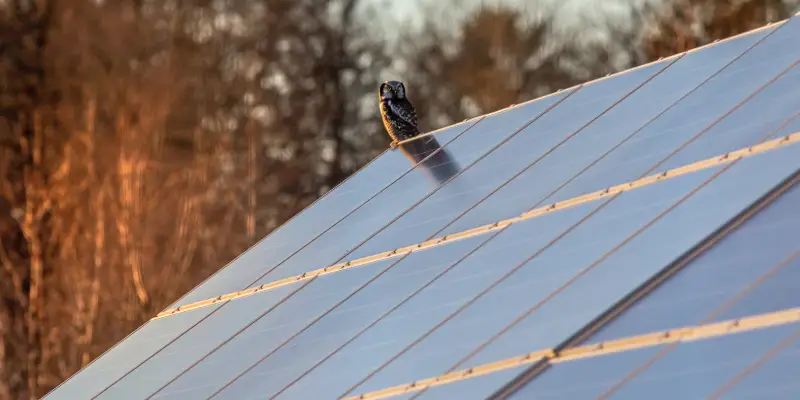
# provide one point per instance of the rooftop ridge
(483, 229)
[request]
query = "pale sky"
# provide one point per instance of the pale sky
(571, 15)
(408, 10)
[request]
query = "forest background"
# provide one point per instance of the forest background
(146, 143)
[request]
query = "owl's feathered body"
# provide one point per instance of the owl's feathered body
(398, 114)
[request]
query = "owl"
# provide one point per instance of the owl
(399, 116)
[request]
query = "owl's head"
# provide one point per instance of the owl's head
(392, 90)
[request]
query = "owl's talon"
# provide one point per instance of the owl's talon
(394, 144)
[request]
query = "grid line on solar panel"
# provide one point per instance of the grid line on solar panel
(616, 74)
(552, 356)
(782, 345)
(640, 293)
(594, 196)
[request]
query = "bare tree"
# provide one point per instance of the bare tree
(681, 25)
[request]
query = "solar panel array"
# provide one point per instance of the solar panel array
(631, 237)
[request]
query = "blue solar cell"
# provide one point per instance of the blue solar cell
(377, 299)
(125, 356)
(753, 270)
(278, 326)
(775, 379)
(558, 316)
(311, 222)
(696, 113)
(620, 124)
(335, 244)
(427, 219)
(690, 370)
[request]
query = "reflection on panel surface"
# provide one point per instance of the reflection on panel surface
(555, 316)
(750, 271)
(311, 222)
(691, 370)
(499, 166)
(123, 357)
(530, 189)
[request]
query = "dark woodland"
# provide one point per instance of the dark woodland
(145, 144)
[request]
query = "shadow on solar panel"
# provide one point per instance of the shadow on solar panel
(440, 166)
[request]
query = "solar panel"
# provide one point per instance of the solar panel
(694, 369)
(554, 212)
